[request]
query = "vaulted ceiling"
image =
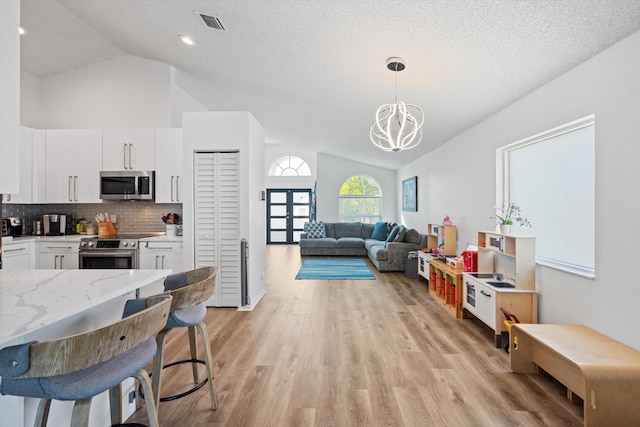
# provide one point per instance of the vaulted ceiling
(313, 72)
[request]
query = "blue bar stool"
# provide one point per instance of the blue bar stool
(190, 290)
(78, 367)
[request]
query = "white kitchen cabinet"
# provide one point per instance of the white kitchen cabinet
(25, 192)
(161, 255)
(168, 165)
(128, 149)
(72, 165)
(58, 255)
(18, 256)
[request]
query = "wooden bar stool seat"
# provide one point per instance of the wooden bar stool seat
(190, 290)
(78, 367)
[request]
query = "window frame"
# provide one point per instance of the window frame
(503, 190)
(379, 198)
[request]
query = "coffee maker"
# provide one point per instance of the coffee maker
(54, 224)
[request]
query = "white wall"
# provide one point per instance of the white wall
(181, 101)
(460, 176)
(9, 97)
(122, 92)
(219, 131)
(29, 100)
(333, 171)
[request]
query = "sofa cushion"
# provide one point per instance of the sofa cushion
(368, 243)
(393, 233)
(367, 230)
(321, 242)
(350, 242)
(380, 231)
(412, 236)
(314, 230)
(348, 229)
(379, 252)
(401, 234)
(330, 229)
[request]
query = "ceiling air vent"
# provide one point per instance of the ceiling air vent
(212, 21)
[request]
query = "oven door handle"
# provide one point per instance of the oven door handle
(100, 254)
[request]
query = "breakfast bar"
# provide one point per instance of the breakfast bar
(47, 304)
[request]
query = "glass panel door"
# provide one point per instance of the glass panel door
(287, 211)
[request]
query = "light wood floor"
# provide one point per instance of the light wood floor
(356, 353)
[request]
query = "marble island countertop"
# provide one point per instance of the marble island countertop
(33, 299)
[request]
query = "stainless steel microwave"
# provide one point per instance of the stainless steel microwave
(127, 185)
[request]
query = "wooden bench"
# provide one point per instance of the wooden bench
(603, 372)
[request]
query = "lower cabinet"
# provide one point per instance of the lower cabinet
(161, 255)
(484, 301)
(18, 256)
(57, 256)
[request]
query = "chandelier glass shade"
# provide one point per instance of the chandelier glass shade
(397, 127)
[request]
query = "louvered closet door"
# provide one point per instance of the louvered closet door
(217, 223)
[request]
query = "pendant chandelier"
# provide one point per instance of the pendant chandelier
(397, 127)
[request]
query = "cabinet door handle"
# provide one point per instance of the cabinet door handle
(485, 294)
(124, 155)
(130, 146)
(6, 251)
(55, 262)
(75, 188)
(157, 257)
(59, 247)
(61, 260)
(177, 188)
(69, 190)
(172, 177)
(162, 261)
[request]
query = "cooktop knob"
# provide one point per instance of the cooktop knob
(125, 244)
(90, 244)
(133, 244)
(83, 244)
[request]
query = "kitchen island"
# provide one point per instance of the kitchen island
(48, 304)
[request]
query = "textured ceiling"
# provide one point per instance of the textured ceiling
(313, 72)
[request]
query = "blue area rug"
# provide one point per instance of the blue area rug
(334, 269)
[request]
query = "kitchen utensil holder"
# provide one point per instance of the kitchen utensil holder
(106, 230)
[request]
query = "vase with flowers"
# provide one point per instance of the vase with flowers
(508, 214)
(171, 220)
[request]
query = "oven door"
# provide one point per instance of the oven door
(109, 260)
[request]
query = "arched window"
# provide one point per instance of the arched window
(289, 166)
(360, 199)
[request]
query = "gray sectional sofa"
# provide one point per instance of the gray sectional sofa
(355, 239)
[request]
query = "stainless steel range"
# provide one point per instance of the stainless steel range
(120, 252)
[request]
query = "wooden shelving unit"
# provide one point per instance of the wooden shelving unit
(442, 235)
(445, 283)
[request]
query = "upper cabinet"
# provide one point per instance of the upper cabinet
(128, 150)
(168, 165)
(73, 165)
(10, 97)
(31, 149)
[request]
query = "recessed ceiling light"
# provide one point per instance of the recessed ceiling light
(21, 31)
(186, 40)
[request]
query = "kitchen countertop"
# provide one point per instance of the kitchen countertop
(77, 237)
(497, 289)
(33, 299)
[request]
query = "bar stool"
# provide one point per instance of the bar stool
(189, 290)
(78, 367)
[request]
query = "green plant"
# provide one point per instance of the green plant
(510, 213)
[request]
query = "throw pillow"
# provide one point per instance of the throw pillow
(394, 232)
(379, 231)
(314, 230)
(403, 232)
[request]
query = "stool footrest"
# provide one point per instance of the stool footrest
(183, 394)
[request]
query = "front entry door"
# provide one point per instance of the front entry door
(287, 211)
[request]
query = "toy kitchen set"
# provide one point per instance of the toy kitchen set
(498, 273)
